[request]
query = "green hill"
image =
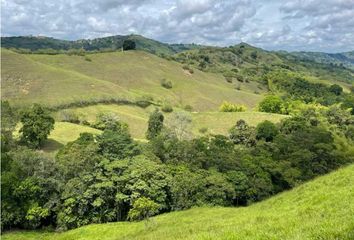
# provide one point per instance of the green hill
(320, 209)
(244, 62)
(132, 75)
(346, 58)
(35, 43)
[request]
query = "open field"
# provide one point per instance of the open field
(137, 118)
(320, 209)
(58, 79)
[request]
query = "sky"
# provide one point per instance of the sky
(292, 25)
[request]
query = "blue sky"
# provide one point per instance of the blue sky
(293, 25)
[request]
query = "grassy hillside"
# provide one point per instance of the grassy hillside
(58, 79)
(346, 58)
(244, 62)
(137, 118)
(320, 209)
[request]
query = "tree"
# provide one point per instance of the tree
(8, 124)
(266, 130)
(241, 133)
(179, 124)
(129, 45)
(36, 125)
(155, 124)
(143, 208)
(271, 104)
(336, 89)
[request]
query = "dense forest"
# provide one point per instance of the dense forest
(111, 177)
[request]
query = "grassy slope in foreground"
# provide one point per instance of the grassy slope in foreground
(320, 209)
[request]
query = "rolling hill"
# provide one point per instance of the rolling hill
(320, 209)
(131, 75)
(34, 43)
(346, 58)
(243, 62)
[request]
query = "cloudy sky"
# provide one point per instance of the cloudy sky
(312, 25)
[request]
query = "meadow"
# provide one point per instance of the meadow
(54, 80)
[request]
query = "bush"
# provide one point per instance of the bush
(88, 59)
(143, 208)
(231, 107)
(167, 108)
(228, 79)
(166, 83)
(69, 116)
(188, 108)
(144, 101)
(203, 130)
(188, 68)
(272, 104)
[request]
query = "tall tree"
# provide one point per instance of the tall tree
(36, 125)
(155, 124)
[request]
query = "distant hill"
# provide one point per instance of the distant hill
(320, 209)
(342, 59)
(244, 62)
(35, 43)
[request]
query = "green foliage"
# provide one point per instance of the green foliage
(8, 124)
(36, 126)
(129, 45)
(167, 108)
(166, 83)
(155, 124)
(69, 116)
(272, 104)
(231, 107)
(143, 208)
(336, 89)
(241, 133)
(266, 130)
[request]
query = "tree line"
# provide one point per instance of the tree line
(110, 177)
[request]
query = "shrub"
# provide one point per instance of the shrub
(188, 68)
(143, 208)
(231, 107)
(69, 116)
(188, 108)
(271, 104)
(144, 101)
(203, 130)
(88, 59)
(166, 83)
(228, 79)
(167, 108)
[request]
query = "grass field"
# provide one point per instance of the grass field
(137, 118)
(320, 209)
(58, 79)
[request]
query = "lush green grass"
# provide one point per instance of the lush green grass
(137, 118)
(65, 132)
(320, 209)
(58, 79)
(221, 122)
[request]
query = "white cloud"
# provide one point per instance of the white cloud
(325, 25)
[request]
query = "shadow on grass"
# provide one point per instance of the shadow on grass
(50, 146)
